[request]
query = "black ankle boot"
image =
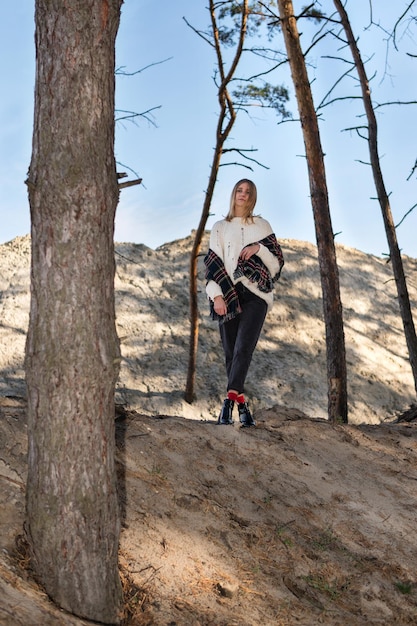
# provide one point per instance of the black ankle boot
(245, 415)
(225, 416)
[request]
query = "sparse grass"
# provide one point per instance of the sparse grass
(283, 537)
(157, 470)
(404, 587)
(325, 540)
(321, 584)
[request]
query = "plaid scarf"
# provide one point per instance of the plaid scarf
(256, 271)
(253, 269)
(216, 271)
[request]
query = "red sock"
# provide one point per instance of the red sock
(240, 398)
(232, 395)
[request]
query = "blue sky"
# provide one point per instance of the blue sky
(173, 155)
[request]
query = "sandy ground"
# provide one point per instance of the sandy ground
(294, 522)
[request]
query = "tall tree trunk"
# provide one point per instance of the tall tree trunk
(72, 350)
(193, 286)
(225, 123)
(383, 198)
(332, 306)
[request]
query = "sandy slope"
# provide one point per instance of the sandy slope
(289, 367)
(294, 522)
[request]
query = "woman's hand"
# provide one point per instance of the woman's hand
(249, 251)
(220, 305)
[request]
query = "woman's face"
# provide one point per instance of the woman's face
(242, 196)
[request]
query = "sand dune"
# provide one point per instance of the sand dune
(289, 367)
(296, 522)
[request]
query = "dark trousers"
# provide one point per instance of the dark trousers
(240, 335)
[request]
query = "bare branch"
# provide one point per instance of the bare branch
(242, 151)
(394, 32)
(270, 11)
(339, 98)
(323, 102)
(405, 215)
(239, 49)
(358, 130)
(266, 72)
(199, 33)
(248, 167)
(123, 174)
(315, 42)
(413, 169)
(132, 115)
(120, 71)
(396, 102)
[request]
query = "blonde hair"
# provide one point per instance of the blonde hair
(248, 215)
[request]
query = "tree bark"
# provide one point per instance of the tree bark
(383, 198)
(72, 350)
(329, 273)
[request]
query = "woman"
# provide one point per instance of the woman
(242, 265)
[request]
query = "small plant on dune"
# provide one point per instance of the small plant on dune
(157, 471)
(404, 587)
(321, 584)
(325, 540)
(284, 538)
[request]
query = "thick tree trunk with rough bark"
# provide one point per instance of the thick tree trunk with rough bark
(72, 351)
(383, 197)
(332, 306)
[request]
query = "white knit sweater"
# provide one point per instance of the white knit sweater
(227, 240)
